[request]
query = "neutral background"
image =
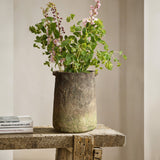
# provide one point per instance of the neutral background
(27, 86)
(152, 79)
(6, 63)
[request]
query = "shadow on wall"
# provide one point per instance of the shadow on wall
(132, 78)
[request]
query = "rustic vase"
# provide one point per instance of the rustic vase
(74, 102)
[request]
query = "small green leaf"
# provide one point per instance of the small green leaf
(116, 60)
(78, 34)
(78, 28)
(109, 65)
(66, 42)
(36, 46)
(118, 64)
(65, 37)
(81, 41)
(68, 19)
(34, 30)
(50, 46)
(56, 33)
(43, 20)
(74, 45)
(96, 71)
(106, 47)
(72, 16)
(125, 57)
(120, 53)
(101, 41)
(47, 63)
(68, 59)
(73, 49)
(84, 31)
(84, 45)
(50, 19)
(79, 22)
(53, 26)
(72, 28)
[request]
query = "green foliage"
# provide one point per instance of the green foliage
(75, 52)
(71, 17)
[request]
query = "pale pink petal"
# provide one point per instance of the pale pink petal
(56, 42)
(53, 53)
(92, 7)
(52, 58)
(84, 21)
(98, 5)
(90, 12)
(62, 60)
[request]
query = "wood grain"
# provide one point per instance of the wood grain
(47, 137)
(97, 154)
(83, 147)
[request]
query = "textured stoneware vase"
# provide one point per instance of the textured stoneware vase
(74, 102)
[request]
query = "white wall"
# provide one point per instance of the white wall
(33, 82)
(6, 64)
(152, 79)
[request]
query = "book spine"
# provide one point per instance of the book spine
(16, 130)
(17, 125)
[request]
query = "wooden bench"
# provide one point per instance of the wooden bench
(84, 146)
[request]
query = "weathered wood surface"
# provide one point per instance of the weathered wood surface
(82, 150)
(97, 154)
(49, 138)
(83, 147)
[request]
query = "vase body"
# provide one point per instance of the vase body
(74, 102)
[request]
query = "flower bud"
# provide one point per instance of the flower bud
(92, 7)
(90, 12)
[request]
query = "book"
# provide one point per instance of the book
(16, 122)
(8, 119)
(15, 130)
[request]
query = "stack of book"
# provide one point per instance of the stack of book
(16, 124)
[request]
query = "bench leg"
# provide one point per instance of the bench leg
(83, 147)
(82, 150)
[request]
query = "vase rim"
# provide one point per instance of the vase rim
(88, 71)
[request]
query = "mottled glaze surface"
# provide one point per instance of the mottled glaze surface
(74, 102)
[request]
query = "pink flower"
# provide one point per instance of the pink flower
(85, 21)
(52, 58)
(62, 60)
(98, 5)
(92, 7)
(95, 13)
(91, 12)
(48, 40)
(56, 42)
(95, 19)
(53, 53)
(92, 23)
